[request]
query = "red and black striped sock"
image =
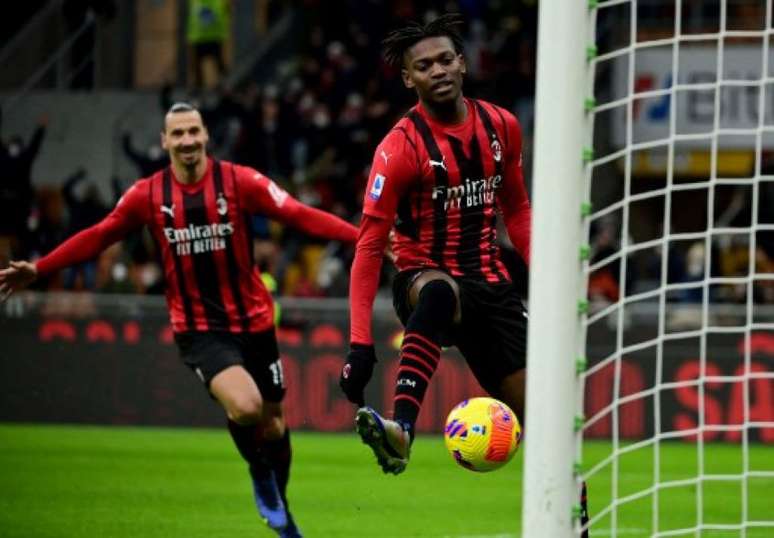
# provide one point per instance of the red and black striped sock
(421, 349)
(419, 357)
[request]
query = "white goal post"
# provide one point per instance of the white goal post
(560, 135)
(655, 125)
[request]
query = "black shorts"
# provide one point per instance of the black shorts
(209, 353)
(492, 333)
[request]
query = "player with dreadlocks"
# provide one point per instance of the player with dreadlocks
(438, 180)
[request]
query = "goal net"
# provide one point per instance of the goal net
(651, 353)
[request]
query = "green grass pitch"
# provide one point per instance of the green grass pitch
(76, 481)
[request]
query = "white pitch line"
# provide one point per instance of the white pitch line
(601, 532)
(624, 530)
(505, 535)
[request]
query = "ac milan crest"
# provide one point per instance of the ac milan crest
(222, 204)
(497, 150)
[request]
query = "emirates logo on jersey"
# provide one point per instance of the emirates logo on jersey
(472, 193)
(199, 239)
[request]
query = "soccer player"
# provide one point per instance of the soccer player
(437, 181)
(221, 312)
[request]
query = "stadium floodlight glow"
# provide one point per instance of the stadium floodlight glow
(644, 123)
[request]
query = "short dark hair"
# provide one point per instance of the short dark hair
(398, 41)
(181, 106)
(177, 108)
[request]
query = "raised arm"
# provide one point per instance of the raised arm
(68, 190)
(32, 149)
(134, 155)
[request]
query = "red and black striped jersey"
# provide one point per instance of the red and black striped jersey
(443, 184)
(438, 189)
(204, 235)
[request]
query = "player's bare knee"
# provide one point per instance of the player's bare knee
(245, 410)
(274, 428)
(273, 421)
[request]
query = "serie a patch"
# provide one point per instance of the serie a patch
(377, 187)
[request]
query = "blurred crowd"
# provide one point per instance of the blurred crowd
(312, 128)
(718, 268)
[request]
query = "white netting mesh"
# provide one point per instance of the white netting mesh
(677, 347)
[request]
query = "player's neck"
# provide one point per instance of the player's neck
(190, 175)
(448, 113)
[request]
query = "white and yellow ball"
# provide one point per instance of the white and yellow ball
(482, 434)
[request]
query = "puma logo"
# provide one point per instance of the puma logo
(441, 163)
(168, 210)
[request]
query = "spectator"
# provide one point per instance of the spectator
(147, 162)
(208, 28)
(16, 193)
(85, 209)
(604, 285)
(47, 228)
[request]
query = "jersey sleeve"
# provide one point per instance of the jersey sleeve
(393, 170)
(259, 194)
(512, 198)
(364, 277)
(131, 212)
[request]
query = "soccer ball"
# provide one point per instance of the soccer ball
(482, 434)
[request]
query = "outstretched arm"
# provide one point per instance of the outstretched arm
(259, 194)
(315, 222)
(128, 215)
(87, 243)
(17, 276)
